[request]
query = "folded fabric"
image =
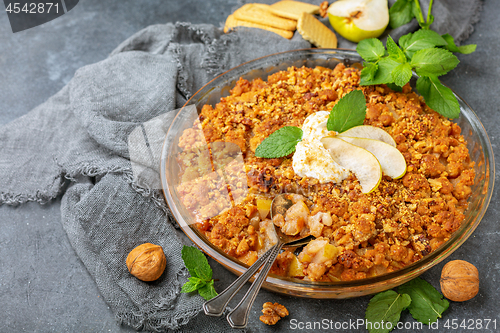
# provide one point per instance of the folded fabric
(77, 144)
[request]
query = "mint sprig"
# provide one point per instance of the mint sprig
(394, 51)
(451, 46)
(420, 40)
(433, 61)
(427, 304)
(438, 96)
(401, 74)
(382, 74)
(280, 143)
(208, 291)
(371, 50)
(349, 111)
(385, 307)
(424, 302)
(420, 52)
(201, 273)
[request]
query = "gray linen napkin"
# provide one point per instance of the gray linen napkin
(77, 144)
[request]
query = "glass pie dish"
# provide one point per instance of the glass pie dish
(473, 131)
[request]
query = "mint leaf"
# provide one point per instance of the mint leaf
(196, 263)
(438, 97)
(369, 70)
(395, 87)
(394, 51)
(385, 306)
(422, 39)
(384, 73)
(433, 62)
(280, 143)
(193, 284)
(427, 304)
(349, 111)
(208, 291)
(400, 13)
(201, 273)
(402, 74)
(451, 46)
(404, 40)
(371, 49)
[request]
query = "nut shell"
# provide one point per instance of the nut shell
(459, 280)
(146, 262)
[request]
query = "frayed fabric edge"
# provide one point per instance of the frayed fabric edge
(143, 321)
(40, 197)
(213, 60)
(154, 195)
(44, 196)
(93, 171)
(476, 16)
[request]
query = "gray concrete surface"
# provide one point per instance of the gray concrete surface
(44, 287)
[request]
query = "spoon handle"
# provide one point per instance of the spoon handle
(238, 318)
(216, 306)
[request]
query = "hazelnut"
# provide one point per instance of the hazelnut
(459, 280)
(146, 262)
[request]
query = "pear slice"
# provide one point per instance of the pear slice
(391, 160)
(359, 160)
(356, 20)
(369, 132)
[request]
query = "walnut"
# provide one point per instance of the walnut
(146, 262)
(323, 7)
(459, 280)
(272, 313)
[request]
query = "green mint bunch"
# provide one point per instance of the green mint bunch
(201, 273)
(420, 52)
(403, 11)
(424, 52)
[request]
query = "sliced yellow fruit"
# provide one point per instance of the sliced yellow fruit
(296, 268)
(260, 243)
(391, 160)
(304, 257)
(328, 252)
(360, 161)
(263, 206)
(369, 132)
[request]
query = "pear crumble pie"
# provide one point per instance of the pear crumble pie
(358, 235)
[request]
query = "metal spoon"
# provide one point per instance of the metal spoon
(238, 317)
